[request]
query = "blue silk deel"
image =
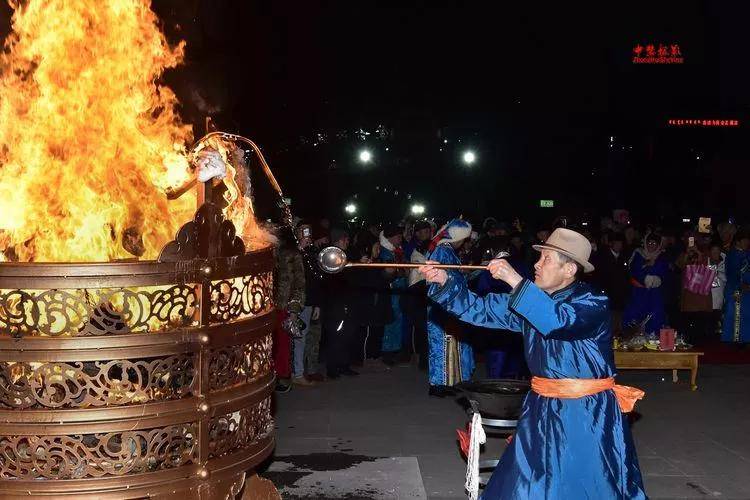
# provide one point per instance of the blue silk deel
(437, 320)
(645, 301)
(563, 448)
(736, 326)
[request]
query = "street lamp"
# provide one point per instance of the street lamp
(469, 157)
(350, 208)
(365, 156)
(417, 209)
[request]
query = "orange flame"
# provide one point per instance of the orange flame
(89, 141)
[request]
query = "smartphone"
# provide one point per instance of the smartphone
(691, 241)
(704, 225)
(306, 232)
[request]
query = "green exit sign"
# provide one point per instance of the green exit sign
(547, 203)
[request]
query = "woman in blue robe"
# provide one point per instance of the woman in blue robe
(442, 345)
(648, 272)
(563, 448)
(736, 325)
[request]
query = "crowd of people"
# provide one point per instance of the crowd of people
(328, 325)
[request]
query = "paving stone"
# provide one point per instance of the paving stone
(690, 444)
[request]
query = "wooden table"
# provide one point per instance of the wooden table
(660, 360)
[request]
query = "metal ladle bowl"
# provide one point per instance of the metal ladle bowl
(332, 260)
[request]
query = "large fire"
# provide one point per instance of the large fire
(89, 141)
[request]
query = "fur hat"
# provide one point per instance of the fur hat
(454, 231)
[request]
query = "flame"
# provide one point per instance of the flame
(89, 141)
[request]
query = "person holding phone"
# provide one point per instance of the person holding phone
(718, 264)
(307, 346)
(696, 308)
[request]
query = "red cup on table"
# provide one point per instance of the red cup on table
(666, 339)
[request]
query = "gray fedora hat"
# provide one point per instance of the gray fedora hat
(570, 243)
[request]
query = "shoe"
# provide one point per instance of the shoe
(441, 391)
(389, 362)
(281, 387)
(303, 382)
(333, 374)
(316, 377)
(348, 372)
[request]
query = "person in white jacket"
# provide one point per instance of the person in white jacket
(717, 263)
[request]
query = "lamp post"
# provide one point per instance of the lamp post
(365, 156)
(469, 157)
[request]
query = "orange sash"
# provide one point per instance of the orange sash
(573, 388)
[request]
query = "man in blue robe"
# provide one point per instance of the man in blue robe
(736, 325)
(450, 361)
(572, 439)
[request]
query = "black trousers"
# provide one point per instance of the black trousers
(359, 346)
(338, 332)
(420, 338)
(415, 314)
(416, 341)
(374, 343)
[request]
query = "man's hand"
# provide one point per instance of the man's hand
(433, 275)
(500, 269)
(315, 313)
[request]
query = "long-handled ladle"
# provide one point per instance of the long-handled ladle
(333, 260)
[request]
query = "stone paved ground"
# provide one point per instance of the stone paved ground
(690, 444)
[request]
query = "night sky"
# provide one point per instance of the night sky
(537, 90)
